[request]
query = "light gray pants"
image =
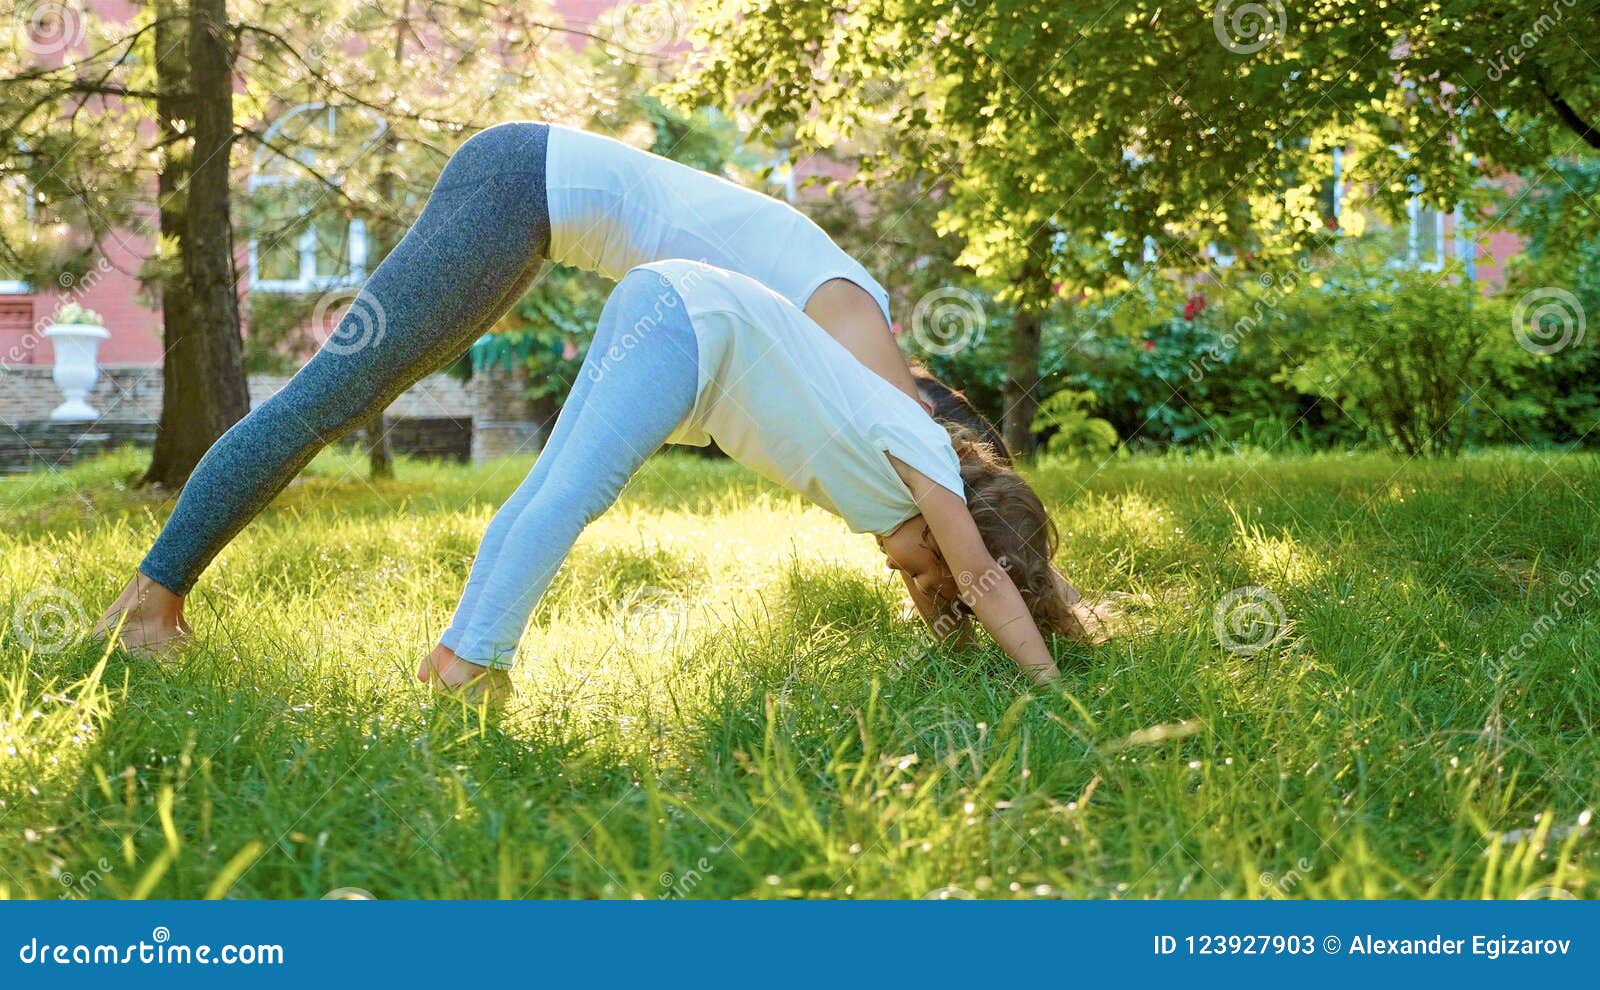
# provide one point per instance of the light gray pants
(638, 383)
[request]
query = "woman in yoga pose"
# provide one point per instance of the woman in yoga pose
(688, 353)
(510, 197)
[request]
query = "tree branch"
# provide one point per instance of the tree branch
(1569, 116)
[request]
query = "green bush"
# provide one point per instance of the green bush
(1209, 376)
(1335, 351)
(1422, 361)
(1065, 417)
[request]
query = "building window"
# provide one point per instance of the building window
(1423, 244)
(1334, 192)
(303, 245)
(1466, 245)
(16, 204)
(1424, 236)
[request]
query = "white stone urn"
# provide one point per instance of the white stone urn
(77, 345)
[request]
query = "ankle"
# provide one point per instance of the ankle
(154, 601)
(444, 666)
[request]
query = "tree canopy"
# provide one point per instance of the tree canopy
(1104, 123)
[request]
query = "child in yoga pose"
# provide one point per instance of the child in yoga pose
(510, 197)
(688, 353)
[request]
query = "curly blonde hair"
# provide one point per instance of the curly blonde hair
(1018, 533)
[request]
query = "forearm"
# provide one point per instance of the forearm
(1005, 615)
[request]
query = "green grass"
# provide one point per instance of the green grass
(719, 698)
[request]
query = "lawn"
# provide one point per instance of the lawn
(719, 697)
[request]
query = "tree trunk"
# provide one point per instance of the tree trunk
(380, 456)
(173, 119)
(203, 371)
(1021, 390)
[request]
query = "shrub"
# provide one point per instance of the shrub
(1342, 348)
(1065, 417)
(1421, 360)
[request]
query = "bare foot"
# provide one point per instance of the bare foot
(473, 682)
(146, 618)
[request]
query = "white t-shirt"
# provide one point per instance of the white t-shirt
(786, 400)
(613, 207)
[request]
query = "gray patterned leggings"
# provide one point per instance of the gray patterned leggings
(479, 242)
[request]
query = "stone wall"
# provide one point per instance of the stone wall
(132, 393)
(432, 419)
(505, 421)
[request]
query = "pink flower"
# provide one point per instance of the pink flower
(569, 350)
(895, 329)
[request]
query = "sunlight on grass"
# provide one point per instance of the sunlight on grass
(718, 697)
